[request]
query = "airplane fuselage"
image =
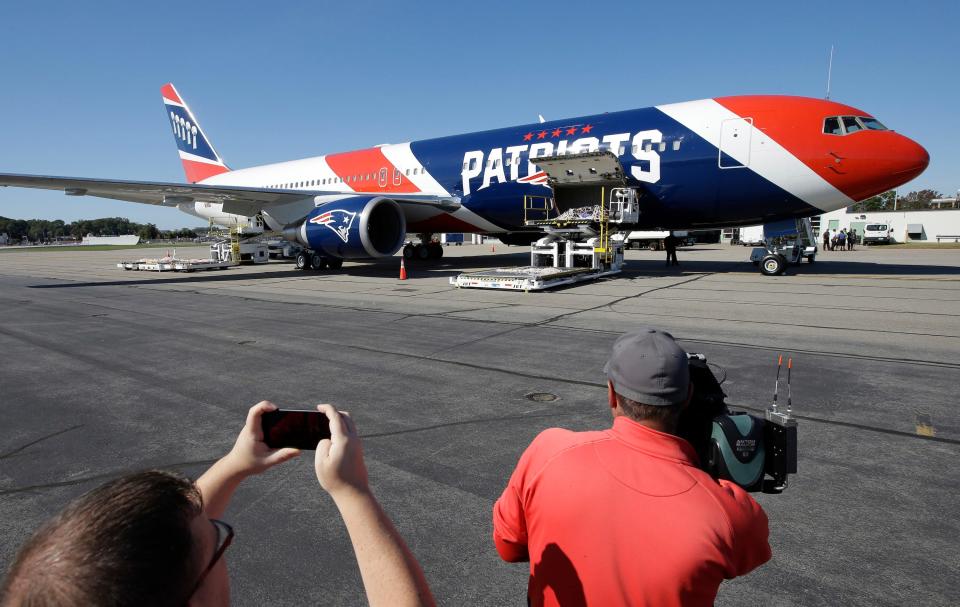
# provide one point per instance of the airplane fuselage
(700, 164)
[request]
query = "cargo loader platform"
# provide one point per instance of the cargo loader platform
(577, 244)
(527, 278)
(173, 264)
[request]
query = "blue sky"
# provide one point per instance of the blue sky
(276, 81)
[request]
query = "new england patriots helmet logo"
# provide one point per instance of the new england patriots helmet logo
(337, 220)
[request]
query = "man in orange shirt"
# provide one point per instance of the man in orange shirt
(624, 516)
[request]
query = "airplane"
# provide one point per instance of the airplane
(720, 162)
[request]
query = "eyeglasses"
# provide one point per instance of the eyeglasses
(224, 539)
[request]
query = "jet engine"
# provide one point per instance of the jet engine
(352, 227)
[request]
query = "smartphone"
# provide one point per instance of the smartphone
(297, 429)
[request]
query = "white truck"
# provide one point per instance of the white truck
(877, 233)
(652, 239)
(751, 236)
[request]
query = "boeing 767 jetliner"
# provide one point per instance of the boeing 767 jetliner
(710, 163)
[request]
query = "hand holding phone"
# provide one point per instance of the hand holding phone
(339, 461)
(294, 428)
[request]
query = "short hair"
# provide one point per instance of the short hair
(128, 542)
(668, 415)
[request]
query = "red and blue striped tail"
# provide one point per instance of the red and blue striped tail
(199, 159)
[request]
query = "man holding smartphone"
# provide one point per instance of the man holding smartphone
(155, 539)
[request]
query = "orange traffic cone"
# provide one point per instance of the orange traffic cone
(403, 270)
(493, 249)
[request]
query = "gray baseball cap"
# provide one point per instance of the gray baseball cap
(647, 366)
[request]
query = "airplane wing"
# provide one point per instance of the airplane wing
(235, 199)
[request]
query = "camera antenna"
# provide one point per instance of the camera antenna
(789, 393)
(776, 386)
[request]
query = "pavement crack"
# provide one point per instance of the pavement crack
(37, 441)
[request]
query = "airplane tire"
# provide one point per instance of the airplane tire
(421, 252)
(408, 251)
(317, 262)
(772, 265)
(302, 260)
(335, 263)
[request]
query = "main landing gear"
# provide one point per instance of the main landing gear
(311, 260)
(427, 248)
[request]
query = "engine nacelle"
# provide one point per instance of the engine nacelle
(352, 227)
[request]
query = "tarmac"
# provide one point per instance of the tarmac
(105, 372)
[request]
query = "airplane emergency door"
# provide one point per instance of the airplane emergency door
(735, 136)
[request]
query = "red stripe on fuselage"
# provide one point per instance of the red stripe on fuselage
(363, 168)
(859, 164)
(168, 93)
(198, 171)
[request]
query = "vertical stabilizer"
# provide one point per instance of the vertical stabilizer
(199, 159)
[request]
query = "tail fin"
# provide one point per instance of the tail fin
(199, 158)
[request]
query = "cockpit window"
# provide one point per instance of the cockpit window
(844, 125)
(851, 125)
(872, 124)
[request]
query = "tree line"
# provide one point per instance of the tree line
(889, 201)
(42, 230)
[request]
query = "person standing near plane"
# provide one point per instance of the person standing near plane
(826, 240)
(624, 516)
(842, 240)
(670, 244)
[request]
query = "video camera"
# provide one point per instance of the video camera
(735, 445)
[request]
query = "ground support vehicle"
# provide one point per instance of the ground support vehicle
(577, 244)
(242, 252)
(283, 249)
(789, 241)
(172, 264)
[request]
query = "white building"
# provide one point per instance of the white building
(111, 240)
(928, 225)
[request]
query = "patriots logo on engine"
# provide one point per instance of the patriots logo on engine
(337, 220)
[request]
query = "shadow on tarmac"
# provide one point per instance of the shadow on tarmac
(635, 268)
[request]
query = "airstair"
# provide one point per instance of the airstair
(576, 245)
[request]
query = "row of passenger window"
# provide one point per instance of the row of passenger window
(348, 179)
(494, 163)
(844, 125)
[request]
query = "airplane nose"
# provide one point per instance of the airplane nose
(907, 158)
(883, 161)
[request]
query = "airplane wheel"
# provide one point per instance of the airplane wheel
(408, 251)
(772, 265)
(302, 261)
(335, 263)
(318, 262)
(435, 250)
(421, 252)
